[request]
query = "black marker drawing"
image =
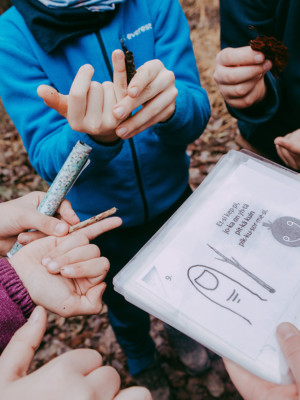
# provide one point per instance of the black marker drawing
(286, 230)
(236, 264)
(222, 290)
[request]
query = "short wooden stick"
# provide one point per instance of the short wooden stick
(92, 220)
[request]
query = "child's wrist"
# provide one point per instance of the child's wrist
(107, 139)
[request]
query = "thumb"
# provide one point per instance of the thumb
(53, 99)
(289, 339)
(18, 354)
(44, 223)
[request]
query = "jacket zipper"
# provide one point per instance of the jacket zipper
(131, 142)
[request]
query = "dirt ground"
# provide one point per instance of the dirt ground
(17, 178)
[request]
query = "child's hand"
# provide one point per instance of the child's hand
(153, 87)
(240, 75)
(18, 215)
(88, 107)
(288, 149)
(75, 258)
(75, 375)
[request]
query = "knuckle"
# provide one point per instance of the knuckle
(77, 95)
(95, 251)
(248, 101)
(225, 56)
(170, 76)
(76, 126)
(240, 91)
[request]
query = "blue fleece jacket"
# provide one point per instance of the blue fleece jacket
(142, 176)
(279, 113)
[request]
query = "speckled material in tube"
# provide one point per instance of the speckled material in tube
(65, 179)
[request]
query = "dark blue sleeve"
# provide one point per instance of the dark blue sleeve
(236, 16)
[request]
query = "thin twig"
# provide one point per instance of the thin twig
(92, 220)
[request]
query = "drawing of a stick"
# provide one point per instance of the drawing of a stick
(236, 264)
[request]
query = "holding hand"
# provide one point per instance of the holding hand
(153, 88)
(253, 388)
(103, 110)
(288, 149)
(240, 76)
(88, 107)
(74, 258)
(75, 375)
(21, 214)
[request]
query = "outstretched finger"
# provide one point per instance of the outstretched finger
(77, 101)
(120, 76)
(54, 99)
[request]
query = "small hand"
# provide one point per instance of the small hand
(88, 107)
(253, 388)
(288, 149)
(153, 88)
(75, 258)
(77, 374)
(21, 214)
(240, 75)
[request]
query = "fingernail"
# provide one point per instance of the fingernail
(45, 261)
(53, 266)
(61, 227)
(34, 317)
(133, 91)
(23, 239)
(121, 131)
(119, 112)
(267, 65)
(119, 55)
(259, 58)
(68, 271)
(286, 330)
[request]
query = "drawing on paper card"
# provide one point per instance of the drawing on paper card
(223, 290)
(286, 230)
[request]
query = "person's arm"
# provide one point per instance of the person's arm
(173, 48)
(47, 136)
(16, 304)
(236, 17)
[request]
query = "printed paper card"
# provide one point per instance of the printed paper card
(233, 265)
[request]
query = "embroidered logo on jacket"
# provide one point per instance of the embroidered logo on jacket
(138, 31)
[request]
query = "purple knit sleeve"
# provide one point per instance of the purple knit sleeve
(15, 302)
